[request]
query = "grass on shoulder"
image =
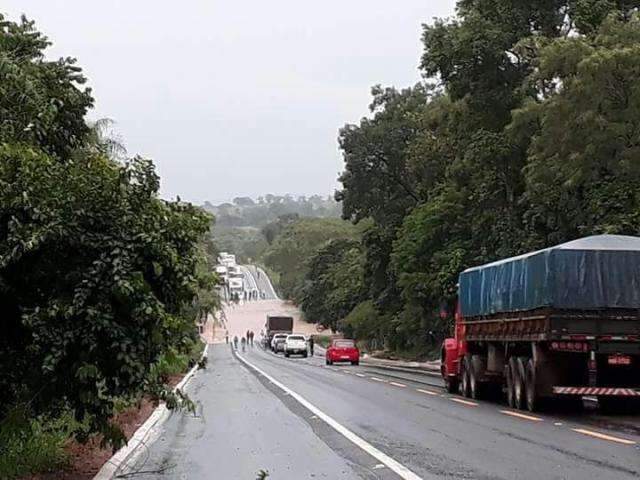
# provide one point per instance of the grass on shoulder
(34, 444)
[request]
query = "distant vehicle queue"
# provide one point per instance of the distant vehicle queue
(279, 338)
(233, 281)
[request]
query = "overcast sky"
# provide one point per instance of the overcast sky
(236, 97)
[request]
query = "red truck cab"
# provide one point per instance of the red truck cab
(453, 349)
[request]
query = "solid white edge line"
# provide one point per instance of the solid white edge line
(157, 417)
(395, 466)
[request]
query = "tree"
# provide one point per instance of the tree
(528, 139)
(99, 278)
(41, 102)
(291, 251)
(376, 181)
(582, 174)
(243, 201)
(333, 283)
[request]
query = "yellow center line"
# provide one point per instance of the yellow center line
(401, 385)
(465, 402)
(602, 436)
(377, 379)
(428, 392)
(521, 415)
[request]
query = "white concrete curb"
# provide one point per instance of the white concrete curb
(159, 415)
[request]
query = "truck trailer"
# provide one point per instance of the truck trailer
(560, 323)
(277, 324)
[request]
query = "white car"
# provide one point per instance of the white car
(295, 344)
(277, 342)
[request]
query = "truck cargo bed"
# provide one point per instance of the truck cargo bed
(553, 324)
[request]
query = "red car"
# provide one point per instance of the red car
(343, 350)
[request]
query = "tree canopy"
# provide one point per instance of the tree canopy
(526, 137)
(99, 277)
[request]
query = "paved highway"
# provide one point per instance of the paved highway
(298, 418)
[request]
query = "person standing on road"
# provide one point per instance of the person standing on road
(243, 342)
(251, 338)
(226, 337)
(235, 342)
(311, 345)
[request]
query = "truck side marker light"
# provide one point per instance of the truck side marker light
(521, 415)
(465, 402)
(602, 436)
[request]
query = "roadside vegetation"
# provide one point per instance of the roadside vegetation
(526, 137)
(101, 281)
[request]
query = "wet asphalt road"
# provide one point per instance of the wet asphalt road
(246, 423)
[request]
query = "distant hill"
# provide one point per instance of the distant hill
(246, 212)
(238, 227)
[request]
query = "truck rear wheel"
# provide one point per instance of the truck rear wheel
(533, 399)
(519, 390)
(508, 377)
(476, 372)
(465, 388)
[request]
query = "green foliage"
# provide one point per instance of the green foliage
(247, 243)
(529, 139)
(40, 102)
(100, 279)
(291, 252)
(245, 212)
(32, 445)
(365, 323)
(333, 283)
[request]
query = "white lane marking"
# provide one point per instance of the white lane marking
(557, 424)
(377, 379)
(521, 415)
(464, 402)
(360, 375)
(395, 384)
(428, 392)
(602, 436)
(402, 471)
(378, 466)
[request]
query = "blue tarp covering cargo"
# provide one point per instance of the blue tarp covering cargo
(598, 272)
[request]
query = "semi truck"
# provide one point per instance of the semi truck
(277, 324)
(555, 324)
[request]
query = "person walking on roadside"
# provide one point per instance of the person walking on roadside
(235, 342)
(243, 342)
(226, 337)
(311, 345)
(251, 338)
